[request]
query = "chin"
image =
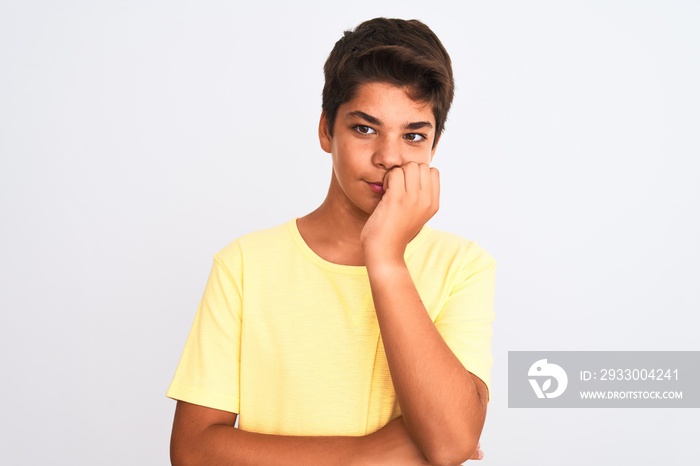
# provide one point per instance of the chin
(365, 209)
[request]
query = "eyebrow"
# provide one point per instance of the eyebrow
(376, 121)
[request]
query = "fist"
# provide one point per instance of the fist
(411, 198)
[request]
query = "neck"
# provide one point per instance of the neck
(333, 230)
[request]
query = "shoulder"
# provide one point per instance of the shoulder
(269, 242)
(459, 251)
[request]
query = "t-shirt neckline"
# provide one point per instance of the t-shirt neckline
(342, 268)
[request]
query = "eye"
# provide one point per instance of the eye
(415, 137)
(362, 129)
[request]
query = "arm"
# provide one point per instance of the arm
(443, 405)
(206, 436)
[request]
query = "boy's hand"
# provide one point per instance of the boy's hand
(411, 198)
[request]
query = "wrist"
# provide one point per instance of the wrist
(380, 260)
(381, 252)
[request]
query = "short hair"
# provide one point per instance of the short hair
(406, 53)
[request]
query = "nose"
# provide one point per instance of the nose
(387, 154)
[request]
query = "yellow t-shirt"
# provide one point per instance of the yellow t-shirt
(291, 342)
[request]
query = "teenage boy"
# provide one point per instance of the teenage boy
(354, 334)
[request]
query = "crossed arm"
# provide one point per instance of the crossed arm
(207, 436)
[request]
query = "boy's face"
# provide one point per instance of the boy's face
(381, 128)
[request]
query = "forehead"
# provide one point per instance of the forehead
(389, 103)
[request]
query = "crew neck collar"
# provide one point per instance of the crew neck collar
(342, 268)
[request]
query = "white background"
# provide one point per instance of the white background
(139, 137)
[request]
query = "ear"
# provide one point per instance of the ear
(435, 146)
(324, 135)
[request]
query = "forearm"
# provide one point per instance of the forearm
(225, 445)
(206, 436)
(442, 409)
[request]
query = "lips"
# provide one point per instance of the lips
(377, 186)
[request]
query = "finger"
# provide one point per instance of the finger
(477, 455)
(412, 173)
(435, 186)
(425, 177)
(394, 179)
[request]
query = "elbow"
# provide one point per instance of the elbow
(453, 446)
(453, 455)
(458, 436)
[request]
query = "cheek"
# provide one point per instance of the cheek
(421, 155)
(345, 169)
(346, 157)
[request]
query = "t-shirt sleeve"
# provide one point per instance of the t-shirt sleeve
(465, 322)
(209, 370)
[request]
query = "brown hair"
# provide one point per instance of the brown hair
(396, 51)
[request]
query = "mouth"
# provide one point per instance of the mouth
(376, 186)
